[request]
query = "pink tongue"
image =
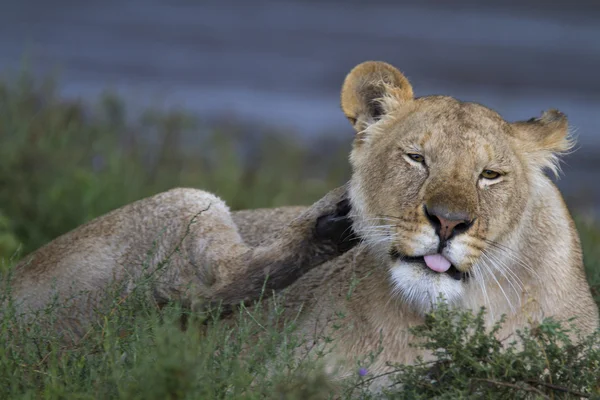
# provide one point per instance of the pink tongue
(437, 262)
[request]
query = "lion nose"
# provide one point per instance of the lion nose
(447, 223)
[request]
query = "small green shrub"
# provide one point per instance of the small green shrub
(470, 362)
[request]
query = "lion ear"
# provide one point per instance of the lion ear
(370, 90)
(544, 139)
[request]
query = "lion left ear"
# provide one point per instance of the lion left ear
(544, 139)
(370, 89)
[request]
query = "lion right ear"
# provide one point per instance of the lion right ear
(370, 90)
(544, 139)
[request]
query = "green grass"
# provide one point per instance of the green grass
(62, 164)
(138, 353)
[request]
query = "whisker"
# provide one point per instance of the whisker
(376, 240)
(507, 251)
(505, 264)
(394, 217)
(480, 280)
(506, 268)
(499, 269)
(383, 228)
(499, 285)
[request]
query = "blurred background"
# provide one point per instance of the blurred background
(102, 103)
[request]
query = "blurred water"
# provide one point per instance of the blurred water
(281, 63)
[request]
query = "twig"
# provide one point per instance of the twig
(559, 388)
(44, 359)
(525, 387)
(254, 319)
(369, 380)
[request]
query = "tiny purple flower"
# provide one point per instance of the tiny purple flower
(362, 372)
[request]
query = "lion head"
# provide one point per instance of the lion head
(439, 183)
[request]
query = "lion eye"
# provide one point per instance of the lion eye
(416, 157)
(489, 174)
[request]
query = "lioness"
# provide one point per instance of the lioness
(449, 199)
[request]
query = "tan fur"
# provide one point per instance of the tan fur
(186, 242)
(522, 251)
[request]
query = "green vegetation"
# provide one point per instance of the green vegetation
(541, 362)
(62, 164)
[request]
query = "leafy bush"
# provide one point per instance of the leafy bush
(545, 361)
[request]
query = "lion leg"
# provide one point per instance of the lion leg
(319, 234)
(222, 268)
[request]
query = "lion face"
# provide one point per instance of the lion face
(439, 185)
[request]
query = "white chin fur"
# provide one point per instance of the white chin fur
(421, 288)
